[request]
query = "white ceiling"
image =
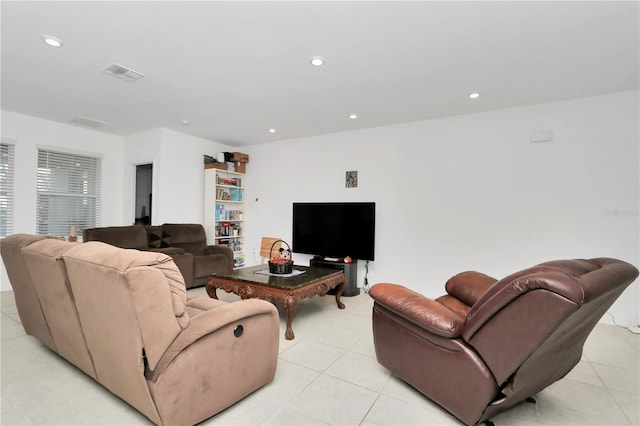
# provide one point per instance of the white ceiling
(235, 69)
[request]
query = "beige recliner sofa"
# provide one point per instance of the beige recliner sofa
(124, 318)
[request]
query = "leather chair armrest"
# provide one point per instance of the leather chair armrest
(469, 286)
(209, 322)
(422, 311)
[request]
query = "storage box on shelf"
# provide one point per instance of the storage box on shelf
(224, 211)
(220, 166)
(236, 163)
(240, 161)
(239, 156)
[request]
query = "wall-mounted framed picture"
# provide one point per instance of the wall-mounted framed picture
(351, 179)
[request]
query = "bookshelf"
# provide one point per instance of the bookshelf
(224, 211)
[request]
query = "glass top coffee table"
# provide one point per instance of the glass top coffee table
(256, 281)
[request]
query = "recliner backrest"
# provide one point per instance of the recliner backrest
(523, 313)
(27, 300)
(50, 280)
(601, 282)
(132, 305)
(130, 237)
(514, 286)
(188, 236)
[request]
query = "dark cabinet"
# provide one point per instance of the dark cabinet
(350, 272)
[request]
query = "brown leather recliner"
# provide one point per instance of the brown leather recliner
(488, 345)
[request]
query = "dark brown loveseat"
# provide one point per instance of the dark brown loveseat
(185, 243)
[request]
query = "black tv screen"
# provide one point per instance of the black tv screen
(335, 229)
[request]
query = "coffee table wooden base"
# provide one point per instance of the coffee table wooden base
(288, 297)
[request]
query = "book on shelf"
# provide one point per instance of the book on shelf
(220, 212)
(234, 194)
(228, 229)
(229, 181)
(223, 214)
(238, 261)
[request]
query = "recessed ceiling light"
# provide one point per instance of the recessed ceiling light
(185, 122)
(52, 41)
(353, 116)
(474, 95)
(317, 61)
(272, 130)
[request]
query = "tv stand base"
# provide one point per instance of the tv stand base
(350, 271)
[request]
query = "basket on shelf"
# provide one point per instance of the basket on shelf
(282, 262)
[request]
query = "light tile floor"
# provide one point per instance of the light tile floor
(327, 375)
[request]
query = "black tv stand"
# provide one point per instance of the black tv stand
(350, 272)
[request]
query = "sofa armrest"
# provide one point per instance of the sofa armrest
(422, 311)
(209, 322)
(469, 286)
(223, 250)
(219, 250)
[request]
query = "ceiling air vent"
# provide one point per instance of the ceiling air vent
(123, 73)
(88, 122)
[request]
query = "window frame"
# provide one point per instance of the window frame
(7, 187)
(68, 192)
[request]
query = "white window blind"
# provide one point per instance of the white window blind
(68, 193)
(6, 189)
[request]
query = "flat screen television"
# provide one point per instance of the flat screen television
(335, 229)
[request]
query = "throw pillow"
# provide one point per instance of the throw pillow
(159, 239)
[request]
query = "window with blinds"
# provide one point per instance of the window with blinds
(6, 189)
(68, 193)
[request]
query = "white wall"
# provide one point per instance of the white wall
(470, 192)
(181, 177)
(466, 192)
(178, 173)
(28, 134)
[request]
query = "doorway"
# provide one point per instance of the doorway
(144, 185)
